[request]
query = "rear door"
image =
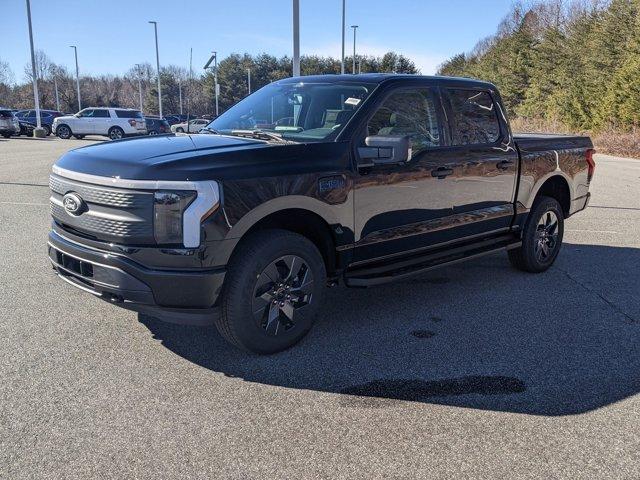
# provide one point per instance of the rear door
(486, 161)
(101, 121)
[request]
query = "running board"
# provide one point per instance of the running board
(381, 273)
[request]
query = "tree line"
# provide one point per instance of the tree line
(570, 63)
(197, 89)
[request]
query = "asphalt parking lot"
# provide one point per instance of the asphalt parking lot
(476, 370)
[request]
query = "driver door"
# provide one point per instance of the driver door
(401, 207)
(82, 125)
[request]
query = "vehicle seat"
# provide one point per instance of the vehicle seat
(335, 118)
(399, 125)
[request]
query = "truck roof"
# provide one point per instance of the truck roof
(384, 77)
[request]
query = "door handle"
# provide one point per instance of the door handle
(441, 172)
(504, 165)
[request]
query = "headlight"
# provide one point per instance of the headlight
(168, 208)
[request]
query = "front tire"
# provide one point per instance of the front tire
(116, 133)
(273, 290)
(541, 237)
(47, 130)
(180, 130)
(63, 131)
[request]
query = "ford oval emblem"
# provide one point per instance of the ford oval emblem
(73, 203)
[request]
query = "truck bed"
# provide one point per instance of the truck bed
(548, 141)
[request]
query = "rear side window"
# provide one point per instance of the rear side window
(99, 113)
(128, 114)
(475, 120)
(5, 114)
(408, 113)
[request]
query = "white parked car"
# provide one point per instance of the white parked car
(114, 123)
(194, 126)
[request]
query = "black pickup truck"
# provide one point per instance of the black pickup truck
(310, 181)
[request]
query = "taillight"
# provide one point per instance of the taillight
(591, 163)
(132, 122)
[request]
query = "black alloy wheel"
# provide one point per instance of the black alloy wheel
(541, 237)
(282, 289)
(272, 291)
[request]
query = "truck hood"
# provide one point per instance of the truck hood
(201, 157)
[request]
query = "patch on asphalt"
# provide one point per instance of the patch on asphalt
(435, 319)
(422, 390)
(422, 334)
(431, 281)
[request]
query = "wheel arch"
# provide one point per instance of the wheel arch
(556, 186)
(300, 220)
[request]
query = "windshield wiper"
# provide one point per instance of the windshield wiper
(261, 135)
(211, 130)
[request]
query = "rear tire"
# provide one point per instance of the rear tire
(63, 131)
(272, 293)
(541, 237)
(6, 135)
(180, 130)
(116, 133)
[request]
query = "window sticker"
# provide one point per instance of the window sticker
(352, 101)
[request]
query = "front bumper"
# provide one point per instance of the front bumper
(130, 285)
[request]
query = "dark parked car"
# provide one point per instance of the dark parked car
(8, 123)
(46, 118)
(26, 128)
(361, 179)
(157, 125)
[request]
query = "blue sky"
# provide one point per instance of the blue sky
(113, 36)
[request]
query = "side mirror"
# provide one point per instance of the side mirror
(383, 150)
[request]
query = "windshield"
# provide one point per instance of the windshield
(304, 112)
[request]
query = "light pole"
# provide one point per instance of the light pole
(155, 29)
(296, 38)
(55, 86)
(343, 25)
(75, 51)
(249, 80)
(139, 70)
(215, 79)
(214, 59)
(38, 131)
(355, 27)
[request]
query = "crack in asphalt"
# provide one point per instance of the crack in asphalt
(600, 296)
(25, 184)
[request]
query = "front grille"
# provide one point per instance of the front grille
(97, 226)
(109, 214)
(96, 194)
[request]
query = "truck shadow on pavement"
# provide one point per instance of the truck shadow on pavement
(477, 335)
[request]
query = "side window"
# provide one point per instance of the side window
(475, 120)
(408, 113)
(86, 113)
(100, 113)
